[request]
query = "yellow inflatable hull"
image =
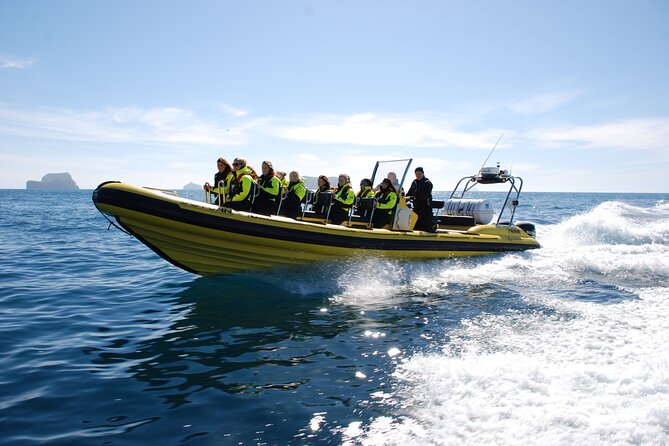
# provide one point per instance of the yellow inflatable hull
(205, 239)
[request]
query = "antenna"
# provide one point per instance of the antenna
(493, 149)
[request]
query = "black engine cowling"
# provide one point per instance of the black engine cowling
(529, 228)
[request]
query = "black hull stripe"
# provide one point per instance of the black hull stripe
(155, 249)
(172, 211)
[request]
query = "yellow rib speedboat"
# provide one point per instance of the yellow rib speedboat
(204, 238)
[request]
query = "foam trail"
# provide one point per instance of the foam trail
(615, 242)
(576, 372)
(602, 378)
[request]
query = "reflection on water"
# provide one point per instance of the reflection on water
(306, 362)
(244, 341)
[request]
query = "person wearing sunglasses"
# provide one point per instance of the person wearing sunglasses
(241, 187)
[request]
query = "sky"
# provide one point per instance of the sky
(153, 92)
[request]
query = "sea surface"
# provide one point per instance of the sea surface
(104, 343)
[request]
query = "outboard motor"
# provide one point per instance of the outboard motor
(529, 228)
(481, 210)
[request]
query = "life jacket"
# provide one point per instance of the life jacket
(238, 192)
(323, 188)
(271, 185)
(386, 201)
(343, 198)
(224, 188)
(365, 192)
(298, 189)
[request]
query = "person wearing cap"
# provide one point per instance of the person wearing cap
(241, 187)
(342, 201)
(365, 189)
(386, 199)
(269, 191)
(283, 178)
(364, 198)
(421, 194)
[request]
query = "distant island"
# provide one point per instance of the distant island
(61, 181)
(192, 186)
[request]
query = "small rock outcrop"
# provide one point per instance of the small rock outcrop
(192, 186)
(61, 181)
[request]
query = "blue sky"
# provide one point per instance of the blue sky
(153, 92)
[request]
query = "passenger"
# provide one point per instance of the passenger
(241, 188)
(253, 173)
(269, 191)
(291, 206)
(225, 188)
(364, 196)
(365, 189)
(343, 199)
(386, 198)
(421, 194)
(223, 175)
(283, 179)
(392, 176)
(321, 202)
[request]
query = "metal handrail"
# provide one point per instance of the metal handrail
(282, 196)
(473, 181)
(308, 197)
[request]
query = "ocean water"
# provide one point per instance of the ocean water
(104, 343)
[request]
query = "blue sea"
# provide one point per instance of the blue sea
(104, 343)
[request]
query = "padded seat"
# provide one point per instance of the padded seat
(456, 220)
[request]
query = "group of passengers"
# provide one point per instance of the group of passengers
(274, 194)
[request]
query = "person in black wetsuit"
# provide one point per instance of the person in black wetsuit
(421, 193)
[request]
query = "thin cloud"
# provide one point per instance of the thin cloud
(542, 103)
(368, 129)
(632, 134)
(13, 63)
(167, 125)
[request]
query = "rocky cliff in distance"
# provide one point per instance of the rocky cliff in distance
(192, 186)
(61, 181)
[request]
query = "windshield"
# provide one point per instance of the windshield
(394, 170)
